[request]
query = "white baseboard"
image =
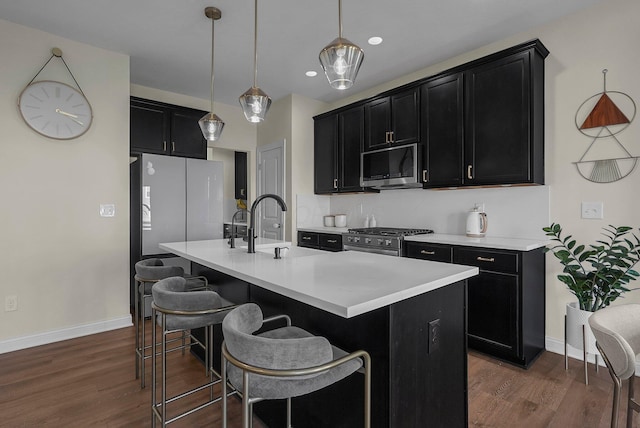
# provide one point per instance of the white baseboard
(557, 346)
(63, 334)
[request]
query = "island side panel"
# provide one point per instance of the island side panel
(429, 359)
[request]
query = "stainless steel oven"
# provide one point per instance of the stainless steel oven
(379, 240)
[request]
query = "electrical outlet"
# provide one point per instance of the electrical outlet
(434, 336)
(107, 210)
(592, 210)
(10, 303)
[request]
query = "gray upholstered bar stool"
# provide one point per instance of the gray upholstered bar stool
(148, 272)
(617, 332)
(176, 308)
(282, 363)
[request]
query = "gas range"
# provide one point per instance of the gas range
(381, 240)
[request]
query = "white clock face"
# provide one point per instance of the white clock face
(55, 110)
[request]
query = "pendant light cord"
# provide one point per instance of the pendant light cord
(255, 45)
(213, 23)
(340, 18)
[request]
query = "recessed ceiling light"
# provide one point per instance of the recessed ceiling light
(311, 73)
(375, 40)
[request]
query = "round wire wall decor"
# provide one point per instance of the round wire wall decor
(601, 117)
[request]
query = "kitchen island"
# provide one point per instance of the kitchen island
(410, 315)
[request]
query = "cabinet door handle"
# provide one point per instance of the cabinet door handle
(164, 146)
(425, 176)
(335, 183)
(173, 146)
(428, 253)
(469, 176)
(390, 136)
(241, 192)
(332, 241)
(485, 259)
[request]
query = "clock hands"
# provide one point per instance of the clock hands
(70, 116)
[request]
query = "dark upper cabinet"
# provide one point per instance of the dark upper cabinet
(241, 175)
(442, 114)
(394, 119)
(165, 129)
(325, 149)
(504, 141)
(337, 147)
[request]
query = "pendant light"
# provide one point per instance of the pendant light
(255, 103)
(341, 59)
(210, 124)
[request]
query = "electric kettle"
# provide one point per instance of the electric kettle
(476, 223)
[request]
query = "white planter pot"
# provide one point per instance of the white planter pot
(576, 318)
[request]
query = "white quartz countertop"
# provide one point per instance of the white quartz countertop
(347, 283)
(487, 242)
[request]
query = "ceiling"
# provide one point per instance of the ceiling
(169, 41)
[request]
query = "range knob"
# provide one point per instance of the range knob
(356, 239)
(387, 242)
(367, 240)
(380, 241)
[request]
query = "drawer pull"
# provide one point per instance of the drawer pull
(306, 238)
(332, 241)
(469, 176)
(428, 253)
(485, 259)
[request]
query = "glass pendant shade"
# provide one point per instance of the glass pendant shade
(211, 126)
(255, 104)
(341, 60)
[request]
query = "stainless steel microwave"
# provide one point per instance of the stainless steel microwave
(390, 168)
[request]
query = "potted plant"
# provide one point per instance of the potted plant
(596, 274)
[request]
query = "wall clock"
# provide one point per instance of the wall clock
(55, 109)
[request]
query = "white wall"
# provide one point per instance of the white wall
(68, 266)
(581, 46)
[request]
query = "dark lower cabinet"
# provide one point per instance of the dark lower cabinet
(240, 175)
(506, 301)
(320, 241)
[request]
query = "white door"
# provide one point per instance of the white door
(270, 218)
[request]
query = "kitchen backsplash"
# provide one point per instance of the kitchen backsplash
(515, 212)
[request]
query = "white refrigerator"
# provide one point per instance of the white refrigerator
(173, 199)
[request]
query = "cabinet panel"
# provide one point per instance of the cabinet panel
(442, 111)
(493, 312)
(330, 242)
(324, 154)
(350, 140)
(498, 145)
(186, 136)
(433, 252)
(377, 122)
(240, 175)
(148, 128)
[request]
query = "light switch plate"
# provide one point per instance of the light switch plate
(107, 210)
(592, 210)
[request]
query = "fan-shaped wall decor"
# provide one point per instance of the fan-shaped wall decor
(602, 121)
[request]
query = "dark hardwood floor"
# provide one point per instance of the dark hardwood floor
(90, 381)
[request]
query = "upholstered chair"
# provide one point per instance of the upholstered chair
(281, 363)
(617, 332)
(148, 272)
(177, 308)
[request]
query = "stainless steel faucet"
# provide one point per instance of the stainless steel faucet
(232, 241)
(252, 221)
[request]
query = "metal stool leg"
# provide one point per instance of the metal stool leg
(631, 406)
(136, 315)
(566, 359)
(584, 354)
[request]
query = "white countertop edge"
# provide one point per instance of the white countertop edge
(517, 244)
(323, 229)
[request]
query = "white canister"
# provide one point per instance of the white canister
(329, 221)
(341, 220)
